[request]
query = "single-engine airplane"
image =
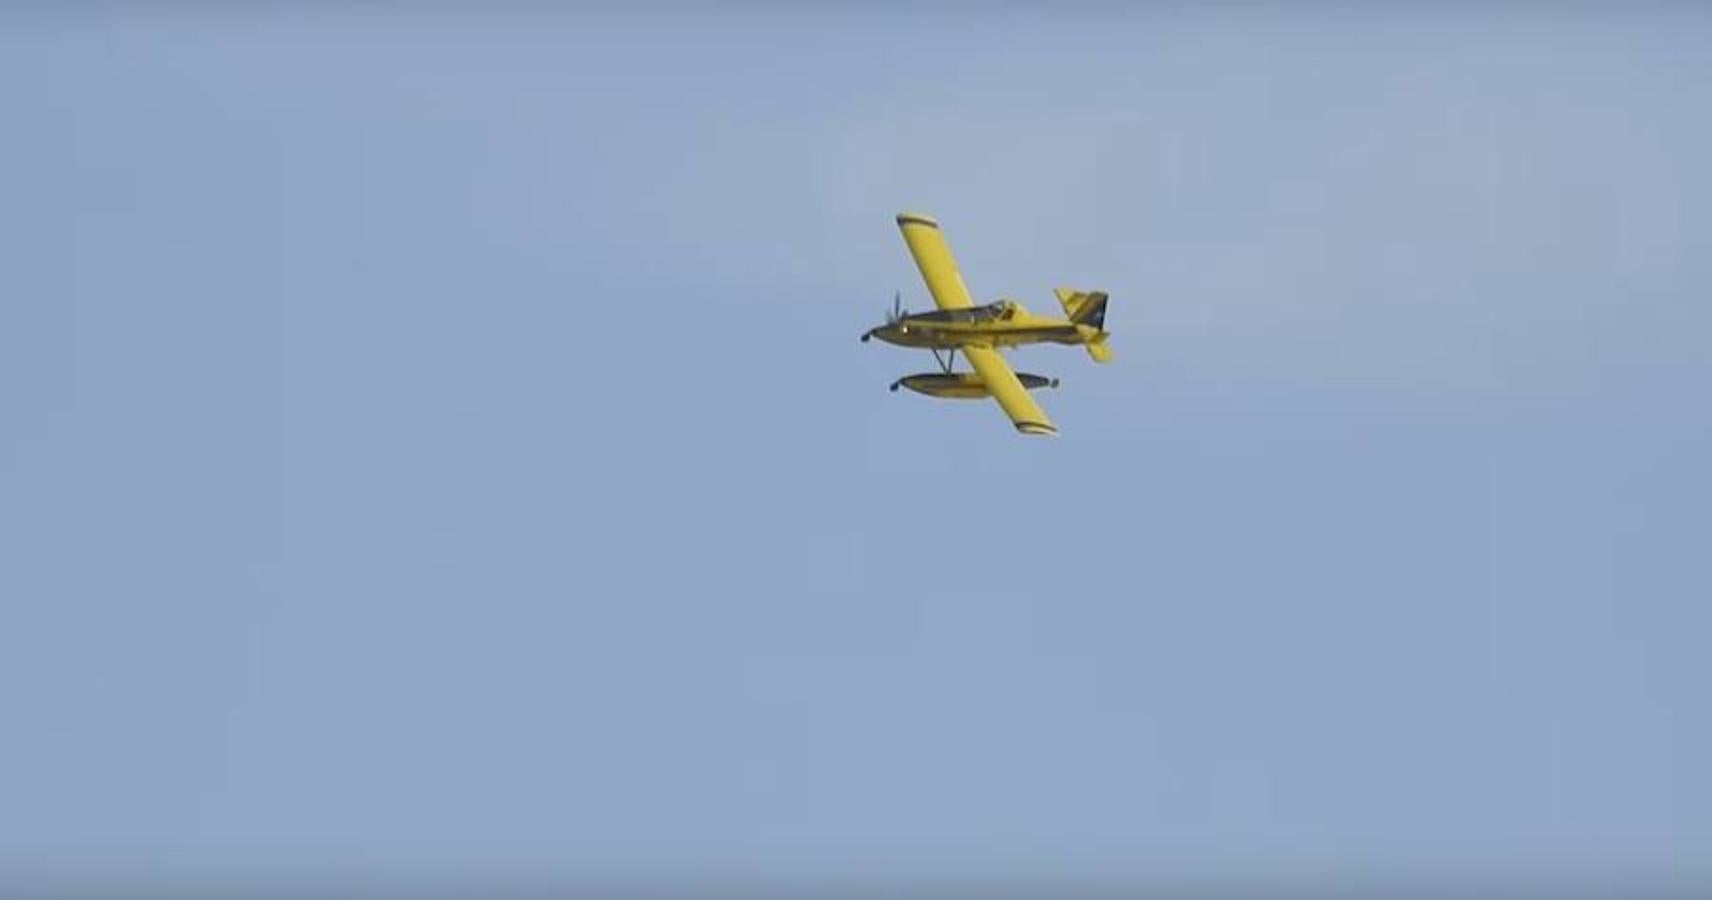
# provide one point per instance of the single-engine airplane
(978, 332)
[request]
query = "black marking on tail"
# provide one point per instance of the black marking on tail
(1093, 311)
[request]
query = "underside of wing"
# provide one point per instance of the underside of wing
(933, 257)
(1006, 388)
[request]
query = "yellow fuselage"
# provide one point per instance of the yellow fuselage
(1001, 324)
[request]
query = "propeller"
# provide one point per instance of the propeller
(894, 314)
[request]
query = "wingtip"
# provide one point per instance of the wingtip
(910, 218)
(1037, 429)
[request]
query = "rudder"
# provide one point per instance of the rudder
(1084, 308)
(1088, 308)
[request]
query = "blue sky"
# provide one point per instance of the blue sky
(438, 449)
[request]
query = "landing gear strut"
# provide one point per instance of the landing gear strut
(945, 363)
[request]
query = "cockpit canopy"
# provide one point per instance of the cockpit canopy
(999, 310)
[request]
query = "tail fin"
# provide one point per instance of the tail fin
(1084, 308)
(1088, 309)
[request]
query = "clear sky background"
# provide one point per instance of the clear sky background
(437, 449)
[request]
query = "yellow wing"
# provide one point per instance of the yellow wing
(933, 257)
(1013, 398)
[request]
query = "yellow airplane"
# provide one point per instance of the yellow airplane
(979, 331)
